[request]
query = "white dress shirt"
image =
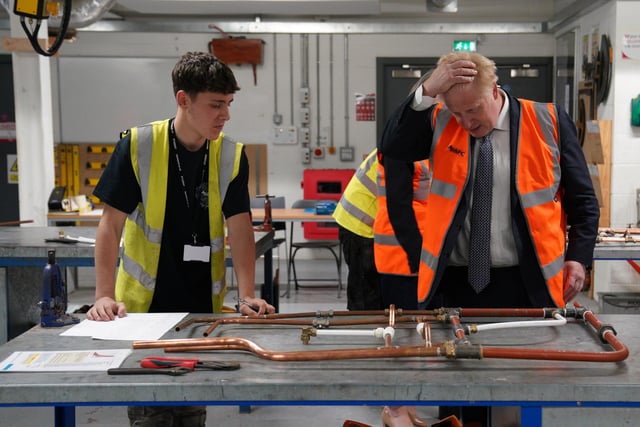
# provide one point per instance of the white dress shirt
(503, 247)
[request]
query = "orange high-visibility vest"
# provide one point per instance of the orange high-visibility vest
(537, 187)
(390, 257)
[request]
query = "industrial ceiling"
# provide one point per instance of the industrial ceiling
(334, 15)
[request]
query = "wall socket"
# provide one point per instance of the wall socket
(305, 135)
(306, 155)
(305, 115)
(304, 95)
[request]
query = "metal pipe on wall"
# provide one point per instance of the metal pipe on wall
(346, 90)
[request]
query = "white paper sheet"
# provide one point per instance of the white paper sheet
(64, 361)
(132, 327)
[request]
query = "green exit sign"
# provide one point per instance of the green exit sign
(466, 45)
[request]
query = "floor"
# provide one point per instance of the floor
(311, 298)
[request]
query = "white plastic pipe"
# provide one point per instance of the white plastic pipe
(524, 324)
(377, 333)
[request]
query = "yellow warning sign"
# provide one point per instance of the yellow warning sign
(12, 168)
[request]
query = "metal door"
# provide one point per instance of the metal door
(9, 208)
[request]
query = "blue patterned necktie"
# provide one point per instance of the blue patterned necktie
(480, 238)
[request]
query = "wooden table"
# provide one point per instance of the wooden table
(290, 215)
(293, 215)
(91, 217)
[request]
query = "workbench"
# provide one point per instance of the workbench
(529, 384)
(23, 256)
(616, 251)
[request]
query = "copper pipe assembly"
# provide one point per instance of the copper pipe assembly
(618, 235)
(457, 348)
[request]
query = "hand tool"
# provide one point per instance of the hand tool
(175, 371)
(188, 363)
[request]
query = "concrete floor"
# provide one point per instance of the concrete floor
(309, 298)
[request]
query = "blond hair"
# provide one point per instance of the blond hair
(486, 68)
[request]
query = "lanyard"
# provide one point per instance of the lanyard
(182, 181)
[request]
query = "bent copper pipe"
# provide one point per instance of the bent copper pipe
(458, 349)
(293, 321)
(236, 343)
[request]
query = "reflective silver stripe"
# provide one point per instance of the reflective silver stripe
(362, 176)
(442, 120)
(381, 189)
(217, 245)
(428, 259)
(443, 189)
(539, 197)
(136, 270)
(153, 235)
(385, 239)
(217, 287)
(553, 268)
(422, 191)
(143, 152)
(227, 160)
(548, 194)
(356, 212)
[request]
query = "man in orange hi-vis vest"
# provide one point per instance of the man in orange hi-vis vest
(509, 176)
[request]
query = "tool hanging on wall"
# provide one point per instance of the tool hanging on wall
(237, 50)
(603, 70)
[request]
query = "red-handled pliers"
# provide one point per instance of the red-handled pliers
(192, 364)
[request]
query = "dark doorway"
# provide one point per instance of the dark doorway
(9, 208)
(530, 78)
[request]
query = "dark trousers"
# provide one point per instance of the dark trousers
(506, 290)
(363, 281)
(401, 291)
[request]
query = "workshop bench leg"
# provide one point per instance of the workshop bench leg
(531, 416)
(65, 416)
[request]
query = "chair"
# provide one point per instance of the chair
(332, 246)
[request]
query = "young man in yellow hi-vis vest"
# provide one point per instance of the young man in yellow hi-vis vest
(172, 185)
(354, 215)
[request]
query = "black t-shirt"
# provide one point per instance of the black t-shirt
(181, 286)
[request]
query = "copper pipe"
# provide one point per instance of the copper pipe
(458, 349)
(618, 355)
(7, 223)
(388, 338)
(458, 330)
(503, 312)
(455, 351)
(245, 320)
(316, 314)
(235, 343)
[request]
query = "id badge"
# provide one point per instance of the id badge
(196, 253)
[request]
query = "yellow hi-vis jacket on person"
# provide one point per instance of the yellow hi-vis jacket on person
(136, 279)
(390, 256)
(537, 186)
(357, 207)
